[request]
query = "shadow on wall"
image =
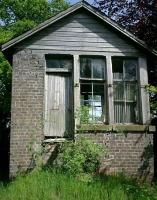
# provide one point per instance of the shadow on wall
(4, 147)
(45, 157)
(155, 155)
(53, 152)
(146, 158)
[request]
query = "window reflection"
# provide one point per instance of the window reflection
(125, 90)
(59, 61)
(92, 95)
(92, 68)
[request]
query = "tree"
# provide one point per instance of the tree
(18, 16)
(139, 17)
(35, 10)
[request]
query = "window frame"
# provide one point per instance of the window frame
(124, 83)
(142, 81)
(58, 69)
(95, 81)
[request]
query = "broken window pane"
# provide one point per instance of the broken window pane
(92, 74)
(117, 67)
(92, 95)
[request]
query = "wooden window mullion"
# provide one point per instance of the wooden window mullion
(109, 83)
(77, 98)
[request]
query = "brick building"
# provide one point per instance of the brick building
(80, 60)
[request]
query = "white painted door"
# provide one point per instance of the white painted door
(58, 108)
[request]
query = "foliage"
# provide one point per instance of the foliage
(82, 113)
(36, 10)
(21, 26)
(48, 185)
(153, 99)
(5, 35)
(136, 16)
(19, 16)
(81, 156)
(5, 93)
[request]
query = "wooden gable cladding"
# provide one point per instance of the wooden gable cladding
(79, 32)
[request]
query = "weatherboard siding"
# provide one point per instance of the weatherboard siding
(79, 32)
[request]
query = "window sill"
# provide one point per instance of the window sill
(116, 128)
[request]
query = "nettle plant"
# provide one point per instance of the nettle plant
(80, 156)
(82, 113)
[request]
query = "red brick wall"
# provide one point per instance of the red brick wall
(131, 153)
(27, 109)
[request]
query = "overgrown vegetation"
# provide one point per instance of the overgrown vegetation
(51, 185)
(81, 156)
(153, 99)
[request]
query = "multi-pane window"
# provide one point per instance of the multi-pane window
(125, 90)
(92, 81)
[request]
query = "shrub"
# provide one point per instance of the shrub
(81, 156)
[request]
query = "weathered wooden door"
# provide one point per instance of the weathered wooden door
(59, 105)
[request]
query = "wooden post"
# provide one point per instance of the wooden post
(76, 89)
(109, 89)
(144, 96)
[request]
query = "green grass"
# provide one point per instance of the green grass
(48, 185)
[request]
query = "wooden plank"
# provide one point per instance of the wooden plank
(80, 48)
(109, 89)
(56, 140)
(82, 36)
(144, 96)
(76, 89)
(73, 34)
(94, 53)
(80, 44)
(58, 105)
(94, 26)
(77, 38)
(80, 29)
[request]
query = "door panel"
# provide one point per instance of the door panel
(58, 113)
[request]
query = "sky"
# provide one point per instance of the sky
(75, 1)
